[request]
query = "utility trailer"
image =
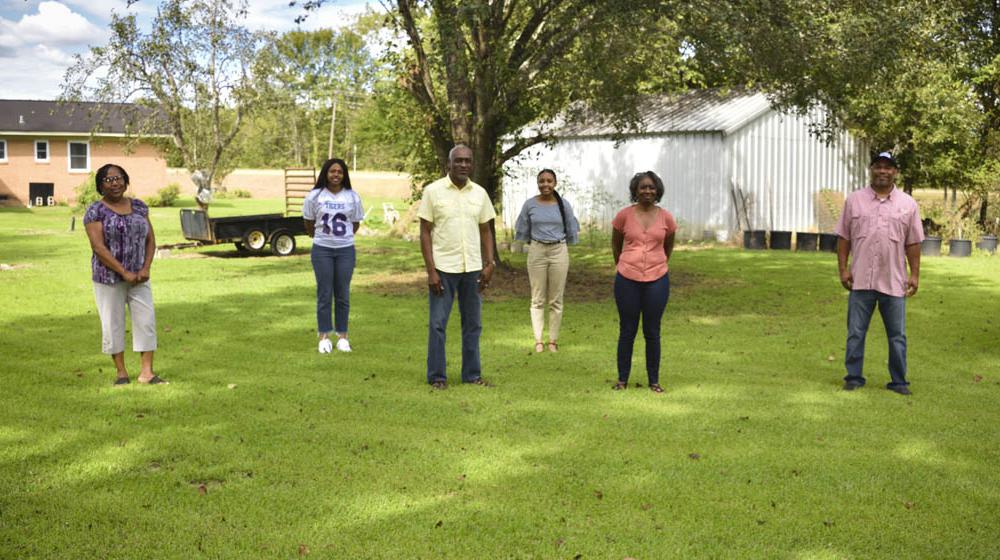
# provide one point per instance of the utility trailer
(252, 234)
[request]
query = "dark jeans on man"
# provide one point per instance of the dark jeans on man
(466, 286)
(648, 300)
(860, 307)
(333, 269)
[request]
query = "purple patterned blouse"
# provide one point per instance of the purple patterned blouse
(125, 237)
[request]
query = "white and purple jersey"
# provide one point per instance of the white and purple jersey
(334, 214)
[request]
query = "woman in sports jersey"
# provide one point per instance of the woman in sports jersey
(333, 213)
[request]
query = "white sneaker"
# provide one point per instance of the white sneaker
(325, 346)
(343, 345)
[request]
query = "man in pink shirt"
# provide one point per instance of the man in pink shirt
(880, 227)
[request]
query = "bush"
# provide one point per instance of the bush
(86, 193)
(166, 196)
(235, 193)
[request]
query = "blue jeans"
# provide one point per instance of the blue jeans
(648, 300)
(466, 285)
(860, 306)
(333, 269)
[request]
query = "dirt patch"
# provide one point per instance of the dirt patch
(582, 284)
(6, 267)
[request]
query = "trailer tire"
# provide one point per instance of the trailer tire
(254, 240)
(282, 244)
(240, 247)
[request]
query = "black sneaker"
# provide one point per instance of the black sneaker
(852, 385)
(901, 389)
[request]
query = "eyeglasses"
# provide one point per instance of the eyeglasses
(114, 179)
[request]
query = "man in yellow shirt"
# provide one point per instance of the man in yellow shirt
(457, 245)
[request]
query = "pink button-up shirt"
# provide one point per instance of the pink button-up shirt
(642, 258)
(879, 231)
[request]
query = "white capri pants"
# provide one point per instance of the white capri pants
(111, 302)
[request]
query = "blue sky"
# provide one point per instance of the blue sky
(38, 38)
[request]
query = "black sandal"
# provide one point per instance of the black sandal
(122, 381)
(155, 380)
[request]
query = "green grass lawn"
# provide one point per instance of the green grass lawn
(262, 448)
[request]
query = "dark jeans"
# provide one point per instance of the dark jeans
(860, 306)
(648, 300)
(333, 269)
(466, 286)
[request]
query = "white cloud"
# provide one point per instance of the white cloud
(54, 24)
(52, 55)
(33, 73)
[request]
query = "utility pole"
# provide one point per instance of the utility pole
(333, 121)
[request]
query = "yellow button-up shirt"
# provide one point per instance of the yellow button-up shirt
(456, 214)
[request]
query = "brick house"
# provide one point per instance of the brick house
(48, 148)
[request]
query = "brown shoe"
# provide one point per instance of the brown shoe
(441, 385)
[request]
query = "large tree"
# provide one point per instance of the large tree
(479, 71)
(195, 65)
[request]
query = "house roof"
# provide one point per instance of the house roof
(70, 118)
(705, 110)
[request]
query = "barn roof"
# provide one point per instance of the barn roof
(705, 110)
(54, 117)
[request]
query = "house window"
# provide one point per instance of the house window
(79, 156)
(3, 151)
(42, 150)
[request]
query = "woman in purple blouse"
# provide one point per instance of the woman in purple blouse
(122, 240)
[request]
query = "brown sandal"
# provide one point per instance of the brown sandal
(655, 387)
(620, 386)
(553, 347)
(539, 347)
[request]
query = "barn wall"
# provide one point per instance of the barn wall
(774, 159)
(594, 176)
(781, 165)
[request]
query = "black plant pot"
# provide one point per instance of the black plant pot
(828, 242)
(806, 241)
(960, 247)
(988, 243)
(781, 240)
(931, 246)
(755, 239)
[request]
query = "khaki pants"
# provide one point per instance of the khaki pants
(547, 269)
(111, 302)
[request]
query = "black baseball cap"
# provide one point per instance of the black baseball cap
(886, 157)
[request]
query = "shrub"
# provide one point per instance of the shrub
(165, 197)
(86, 193)
(235, 193)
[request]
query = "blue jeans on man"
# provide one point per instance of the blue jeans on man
(333, 269)
(860, 307)
(466, 286)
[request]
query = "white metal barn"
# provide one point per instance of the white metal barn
(701, 144)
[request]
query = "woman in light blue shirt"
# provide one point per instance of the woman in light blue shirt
(547, 224)
(333, 212)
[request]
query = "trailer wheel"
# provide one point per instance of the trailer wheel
(282, 244)
(254, 240)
